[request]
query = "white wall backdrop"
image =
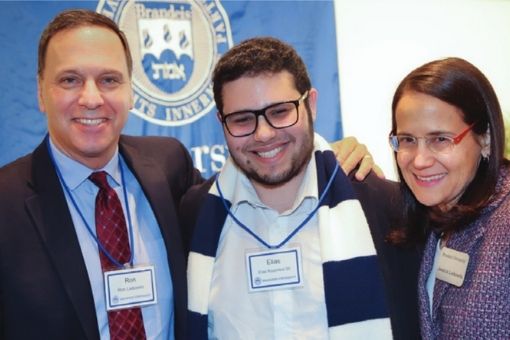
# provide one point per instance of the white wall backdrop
(381, 41)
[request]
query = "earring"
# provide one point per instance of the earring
(485, 154)
(486, 149)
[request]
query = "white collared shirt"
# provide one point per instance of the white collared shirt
(297, 313)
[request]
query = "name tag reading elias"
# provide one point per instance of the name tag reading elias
(127, 288)
(452, 266)
(274, 269)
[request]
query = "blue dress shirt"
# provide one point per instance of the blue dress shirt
(148, 248)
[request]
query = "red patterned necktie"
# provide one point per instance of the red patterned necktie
(112, 234)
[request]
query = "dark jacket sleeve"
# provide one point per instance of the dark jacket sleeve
(381, 202)
(189, 208)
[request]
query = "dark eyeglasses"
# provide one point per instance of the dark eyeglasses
(278, 116)
(435, 143)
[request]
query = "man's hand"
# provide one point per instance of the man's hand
(349, 153)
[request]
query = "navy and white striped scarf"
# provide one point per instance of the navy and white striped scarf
(353, 284)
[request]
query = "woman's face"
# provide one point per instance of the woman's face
(435, 178)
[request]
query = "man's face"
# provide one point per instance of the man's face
(85, 91)
(270, 156)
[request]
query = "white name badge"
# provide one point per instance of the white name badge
(127, 288)
(452, 266)
(274, 269)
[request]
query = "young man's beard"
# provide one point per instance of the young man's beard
(298, 162)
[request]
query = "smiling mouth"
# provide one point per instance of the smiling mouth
(270, 153)
(90, 121)
(430, 178)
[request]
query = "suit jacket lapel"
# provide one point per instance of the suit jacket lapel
(53, 221)
(154, 182)
(463, 241)
(423, 296)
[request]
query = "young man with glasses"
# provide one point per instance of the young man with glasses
(285, 246)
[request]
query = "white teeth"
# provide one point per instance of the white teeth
(430, 178)
(90, 121)
(271, 153)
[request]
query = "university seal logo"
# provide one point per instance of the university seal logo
(175, 45)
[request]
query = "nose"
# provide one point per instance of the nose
(264, 131)
(423, 157)
(90, 96)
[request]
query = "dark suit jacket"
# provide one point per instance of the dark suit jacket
(382, 207)
(381, 202)
(44, 288)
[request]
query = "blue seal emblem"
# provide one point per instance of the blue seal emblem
(175, 45)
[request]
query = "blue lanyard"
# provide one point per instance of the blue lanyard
(75, 205)
(294, 232)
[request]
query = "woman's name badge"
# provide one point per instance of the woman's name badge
(274, 269)
(127, 288)
(452, 266)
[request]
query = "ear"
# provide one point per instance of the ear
(485, 142)
(40, 100)
(218, 115)
(312, 101)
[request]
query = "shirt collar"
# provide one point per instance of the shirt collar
(74, 173)
(245, 192)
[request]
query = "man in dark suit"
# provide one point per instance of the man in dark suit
(51, 279)
(51, 276)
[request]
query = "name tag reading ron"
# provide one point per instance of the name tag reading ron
(127, 288)
(274, 269)
(452, 266)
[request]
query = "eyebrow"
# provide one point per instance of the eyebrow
(263, 107)
(432, 133)
(100, 71)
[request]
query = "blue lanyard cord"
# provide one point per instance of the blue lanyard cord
(75, 205)
(294, 232)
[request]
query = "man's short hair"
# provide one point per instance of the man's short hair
(257, 56)
(77, 18)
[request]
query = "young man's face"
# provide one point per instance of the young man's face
(85, 91)
(270, 156)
